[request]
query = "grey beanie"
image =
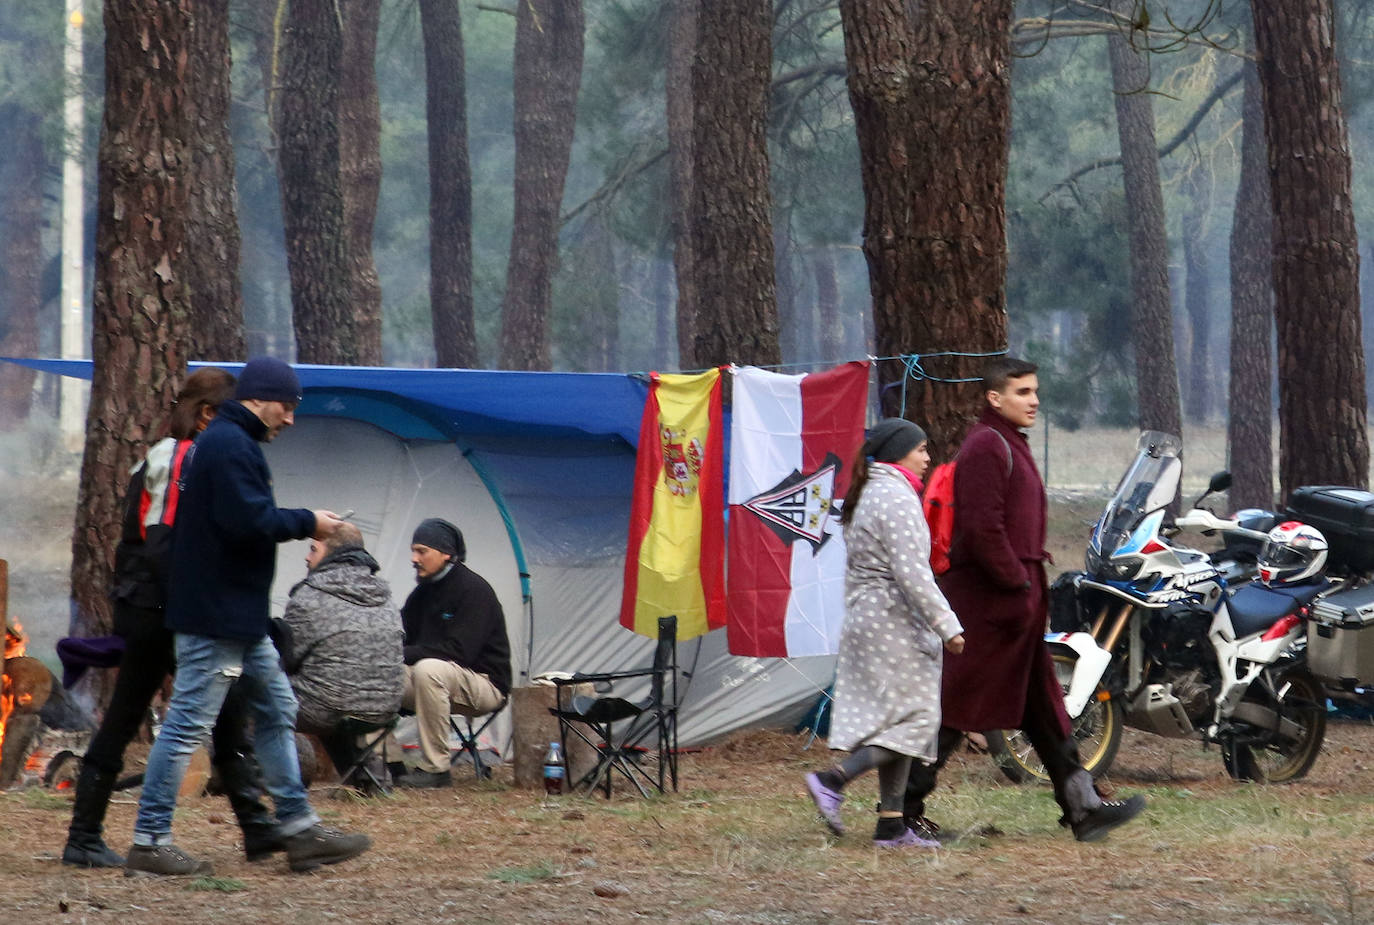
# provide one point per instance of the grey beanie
(268, 379)
(437, 533)
(892, 438)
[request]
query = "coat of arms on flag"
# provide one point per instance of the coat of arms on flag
(792, 437)
(675, 560)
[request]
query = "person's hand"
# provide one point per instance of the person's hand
(326, 522)
(955, 646)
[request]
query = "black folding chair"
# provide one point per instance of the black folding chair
(626, 734)
(358, 775)
(468, 734)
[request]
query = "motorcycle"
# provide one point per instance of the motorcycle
(1162, 645)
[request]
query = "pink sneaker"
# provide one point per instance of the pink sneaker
(827, 803)
(908, 839)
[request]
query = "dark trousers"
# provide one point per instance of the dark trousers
(146, 663)
(1041, 724)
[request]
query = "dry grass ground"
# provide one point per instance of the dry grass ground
(740, 843)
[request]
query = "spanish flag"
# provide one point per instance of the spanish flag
(675, 561)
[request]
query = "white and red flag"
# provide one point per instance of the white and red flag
(792, 438)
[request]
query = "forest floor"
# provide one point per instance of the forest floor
(740, 843)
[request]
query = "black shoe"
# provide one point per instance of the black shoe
(420, 780)
(164, 861)
(90, 851)
(261, 842)
(322, 845)
(1112, 813)
(925, 827)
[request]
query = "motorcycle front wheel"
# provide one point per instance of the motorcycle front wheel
(1097, 731)
(1285, 747)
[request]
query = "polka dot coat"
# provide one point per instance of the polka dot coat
(887, 679)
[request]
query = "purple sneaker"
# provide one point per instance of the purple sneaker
(827, 803)
(908, 839)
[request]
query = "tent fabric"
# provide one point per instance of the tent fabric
(537, 470)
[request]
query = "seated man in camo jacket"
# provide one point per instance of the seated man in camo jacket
(340, 642)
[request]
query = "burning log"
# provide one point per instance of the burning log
(25, 690)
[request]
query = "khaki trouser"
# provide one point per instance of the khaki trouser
(434, 688)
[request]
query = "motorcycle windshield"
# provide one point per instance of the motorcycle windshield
(1150, 483)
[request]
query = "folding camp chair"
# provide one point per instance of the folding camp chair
(363, 778)
(626, 734)
(468, 735)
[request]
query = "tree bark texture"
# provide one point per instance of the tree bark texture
(930, 90)
(1157, 396)
(682, 37)
(140, 305)
(1316, 260)
(731, 213)
(21, 249)
(1197, 293)
(548, 73)
(312, 200)
(212, 225)
(360, 169)
(832, 339)
(450, 186)
(1249, 426)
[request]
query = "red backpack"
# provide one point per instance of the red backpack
(938, 504)
(939, 509)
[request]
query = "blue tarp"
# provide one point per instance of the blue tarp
(438, 404)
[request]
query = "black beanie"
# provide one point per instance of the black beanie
(892, 438)
(439, 534)
(268, 379)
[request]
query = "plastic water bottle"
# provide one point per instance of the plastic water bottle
(555, 769)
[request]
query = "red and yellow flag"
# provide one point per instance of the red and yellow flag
(675, 561)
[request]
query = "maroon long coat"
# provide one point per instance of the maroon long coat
(996, 583)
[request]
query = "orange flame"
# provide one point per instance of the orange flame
(15, 642)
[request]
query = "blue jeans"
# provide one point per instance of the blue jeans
(206, 667)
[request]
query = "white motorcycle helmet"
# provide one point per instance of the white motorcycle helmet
(1292, 553)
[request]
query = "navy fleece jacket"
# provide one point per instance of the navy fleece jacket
(228, 525)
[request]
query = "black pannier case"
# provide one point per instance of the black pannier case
(1345, 516)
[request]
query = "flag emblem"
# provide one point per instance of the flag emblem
(801, 506)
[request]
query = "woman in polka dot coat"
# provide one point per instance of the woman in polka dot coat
(887, 681)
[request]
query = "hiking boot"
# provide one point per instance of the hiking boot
(908, 839)
(261, 842)
(1112, 813)
(320, 844)
(86, 850)
(827, 803)
(419, 779)
(164, 861)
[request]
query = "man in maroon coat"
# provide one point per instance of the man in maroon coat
(996, 584)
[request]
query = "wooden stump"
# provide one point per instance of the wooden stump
(535, 728)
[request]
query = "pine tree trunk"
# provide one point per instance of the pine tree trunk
(789, 324)
(1151, 309)
(832, 339)
(931, 101)
(682, 37)
(450, 186)
(548, 73)
(1316, 261)
(212, 225)
(1197, 293)
(21, 249)
(360, 169)
(731, 213)
(1249, 426)
(140, 305)
(312, 201)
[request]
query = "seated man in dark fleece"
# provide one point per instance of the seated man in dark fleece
(457, 655)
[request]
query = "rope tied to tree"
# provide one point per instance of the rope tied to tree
(914, 369)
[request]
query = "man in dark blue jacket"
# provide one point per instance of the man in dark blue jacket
(223, 559)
